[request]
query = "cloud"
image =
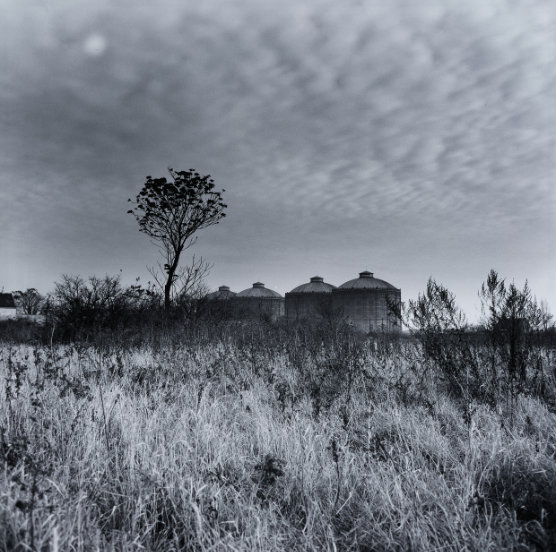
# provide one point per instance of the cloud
(433, 120)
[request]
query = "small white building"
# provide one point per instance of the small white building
(7, 307)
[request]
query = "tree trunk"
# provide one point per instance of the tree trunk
(170, 281)
(167, 289)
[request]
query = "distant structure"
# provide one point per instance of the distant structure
(223, 294)
(8, 310)
(220, 304)
(258, 302)
(309, 302)
(368, 303)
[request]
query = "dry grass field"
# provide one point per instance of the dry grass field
(244, 446)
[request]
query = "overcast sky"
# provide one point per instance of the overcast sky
(412, 139)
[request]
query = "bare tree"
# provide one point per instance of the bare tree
(29, 301)
(189, 281)
(172, 211)
(78, 306)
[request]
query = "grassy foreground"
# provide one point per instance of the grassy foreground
(222, 447)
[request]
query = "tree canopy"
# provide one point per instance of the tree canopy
(172, 211)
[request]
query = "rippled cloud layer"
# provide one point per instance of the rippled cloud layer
(418, 138)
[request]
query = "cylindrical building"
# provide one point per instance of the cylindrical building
(368, 303)
(223, 294)
(258, 302)
(219, 303)
(309, 302)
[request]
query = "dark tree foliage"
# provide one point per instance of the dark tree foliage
(440, 325)
(172, 211)
(435, 310)
(511, 315)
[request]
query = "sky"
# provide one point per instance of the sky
(411, 139)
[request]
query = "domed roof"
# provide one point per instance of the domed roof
(222, 293)
(258, 290)
(316, 285)
(366, 280)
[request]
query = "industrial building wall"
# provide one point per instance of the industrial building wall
(308, 306)
(258, 307)
(368, 310)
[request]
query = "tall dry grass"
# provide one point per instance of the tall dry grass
(240, 446)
